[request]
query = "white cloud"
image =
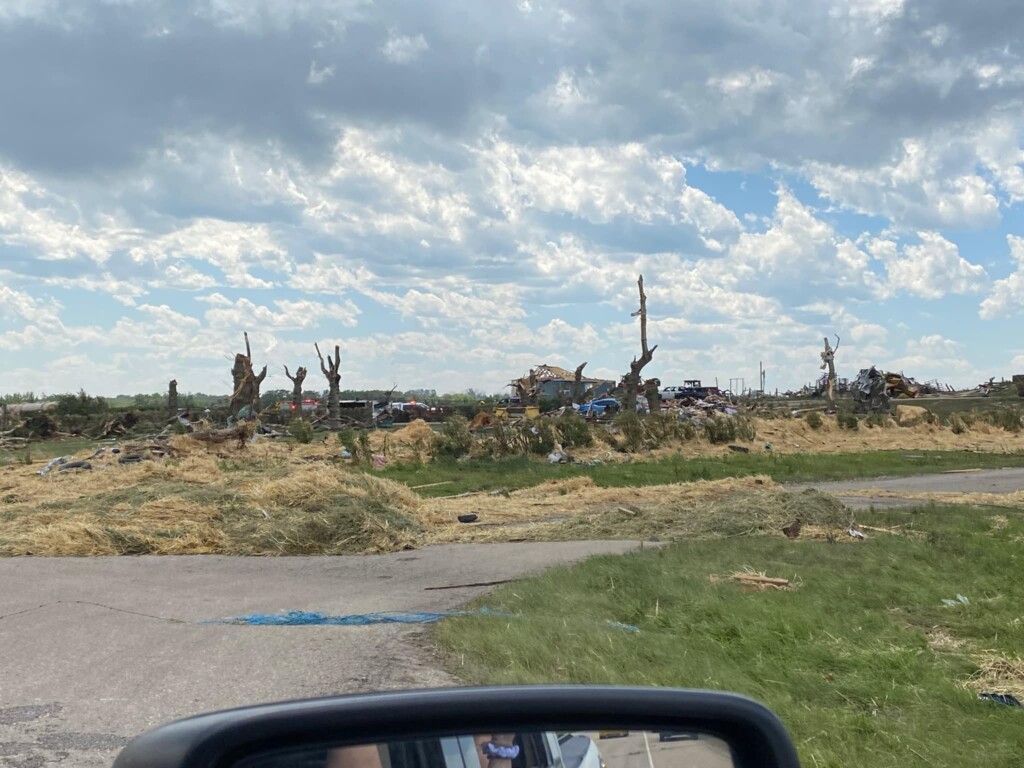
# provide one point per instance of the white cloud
(233, 247)
(403, 49)
(798, 247)
(319, 75)
(934, 268)
(1007, 295)
(243, 314)
(568, 91)
(600, 184)
(922, 186)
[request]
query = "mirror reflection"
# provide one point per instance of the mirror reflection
(524, 749)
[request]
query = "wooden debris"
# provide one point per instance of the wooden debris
(753, 581)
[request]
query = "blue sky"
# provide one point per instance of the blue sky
(457, 191)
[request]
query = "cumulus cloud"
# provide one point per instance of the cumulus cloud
(933, 268)
(1007, 295)
(423, 179)
(403, 49)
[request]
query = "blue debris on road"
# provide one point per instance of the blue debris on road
(313, 618)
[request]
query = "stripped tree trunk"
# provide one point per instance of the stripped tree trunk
(828, 360)
(296, 380)
(334, 382)
(577, 390)
(632, 380)
(172, 398)
(247, 385)
(652, 391)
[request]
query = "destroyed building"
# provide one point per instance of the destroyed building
(555, 383)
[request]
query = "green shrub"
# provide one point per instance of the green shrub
(814, 420)
(877, 420)
(1008, 419)
(301, 431)
(667, 427)
(957, 424)
(574, 431)
(362, 453)
(727, 429)
(540, 435)
(347, 438)
(454, 439)
(632, 430)
(848, 421)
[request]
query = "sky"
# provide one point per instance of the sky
(456, 191)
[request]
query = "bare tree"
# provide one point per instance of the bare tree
(246, 382)
(334, 382)
(632, 380)
(172, 398)
(577, 389)
(533, 393)
(828, 360)
(296, 380)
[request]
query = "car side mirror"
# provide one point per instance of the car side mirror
(496, 727)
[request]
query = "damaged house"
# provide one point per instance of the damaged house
(555, 383)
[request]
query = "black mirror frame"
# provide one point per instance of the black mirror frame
(221, 739)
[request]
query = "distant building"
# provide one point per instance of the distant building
(555, 383)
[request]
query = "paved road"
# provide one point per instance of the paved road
(646, 750)
(95, 650)
(985, 481)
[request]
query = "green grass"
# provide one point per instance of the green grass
(843, 658)
(522, 472)
(48, 449)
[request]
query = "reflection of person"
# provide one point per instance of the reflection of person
(496, 750)
(361, 756)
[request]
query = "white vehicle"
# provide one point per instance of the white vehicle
(579, 751)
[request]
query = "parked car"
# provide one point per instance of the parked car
(579, 751)
(600, 407)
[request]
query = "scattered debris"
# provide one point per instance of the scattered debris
(74, 465)
(738, 448)
(468, 518)
(792, 530)
(53, 463)
(1001, 698)
(755, 581)
(960, 600)
(620, 625)
(473, 584)
(856, 534)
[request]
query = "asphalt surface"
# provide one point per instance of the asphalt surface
(984, 481)
(646, 750)
(96, 650)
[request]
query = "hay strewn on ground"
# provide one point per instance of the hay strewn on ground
(786, 435)
(280, 498)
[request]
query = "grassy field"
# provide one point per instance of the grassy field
(445, 478)
(47, 449)
(861, 659)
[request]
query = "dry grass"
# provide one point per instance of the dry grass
(706, 509)
(274, 498)
(281, 498)
(1011, 500)
(998, 673)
